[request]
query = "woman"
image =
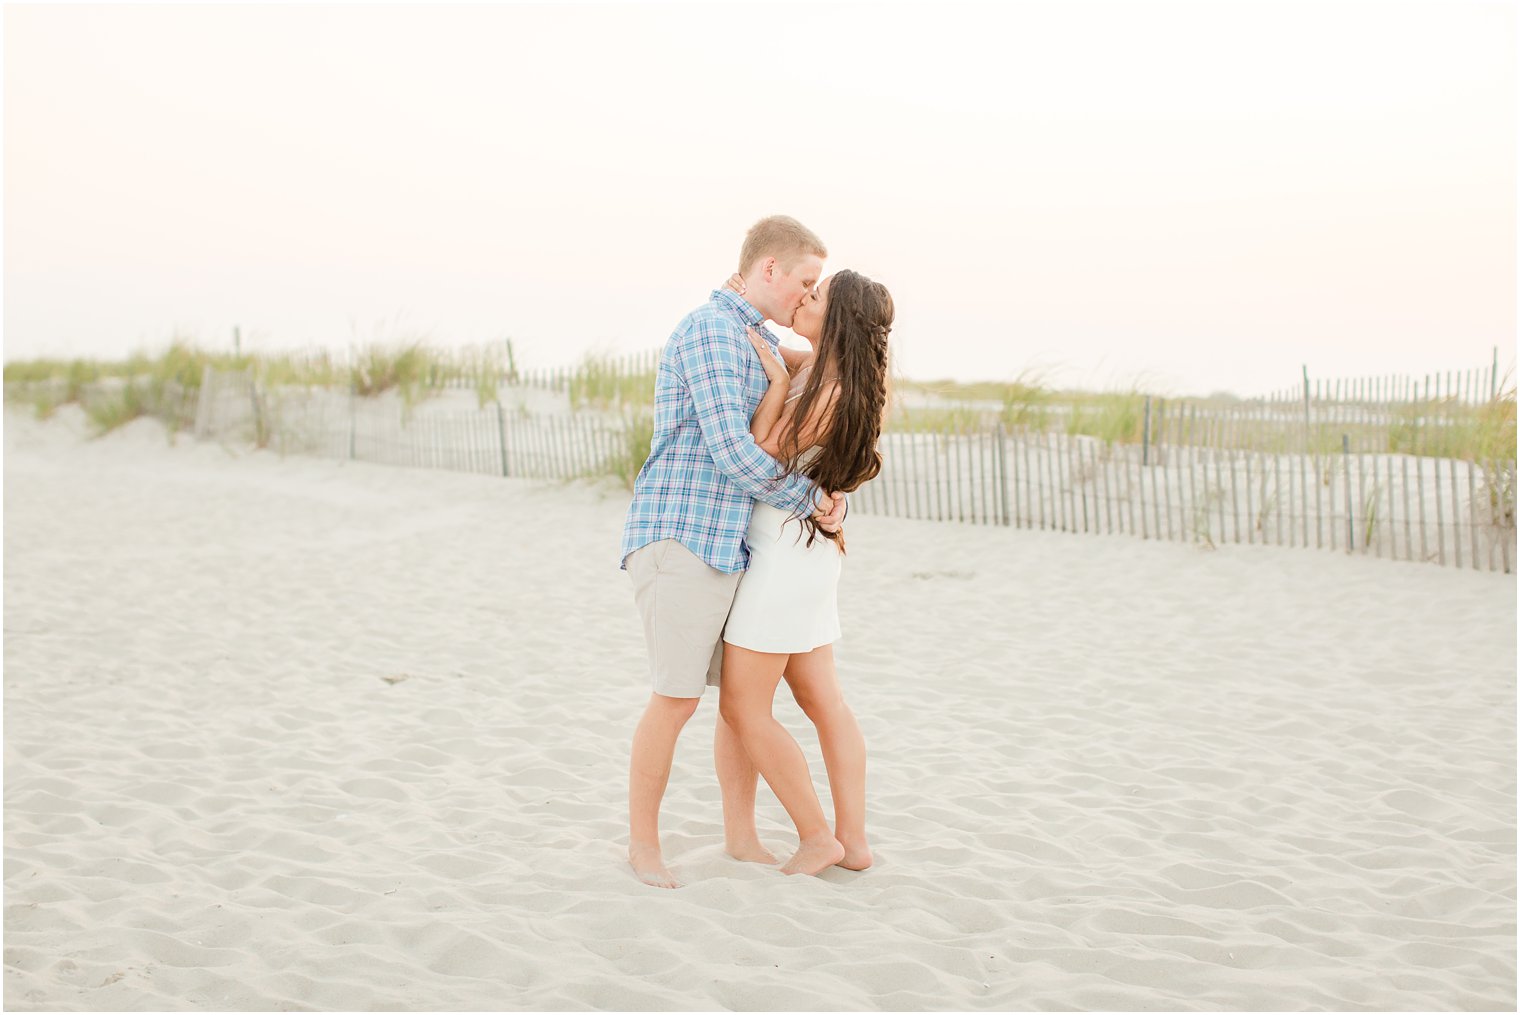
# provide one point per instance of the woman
(823, 423)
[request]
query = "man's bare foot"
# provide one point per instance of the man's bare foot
(813, 856)
(750, 852)
(650, 867)
(857, 855)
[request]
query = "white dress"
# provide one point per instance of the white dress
(788, 599)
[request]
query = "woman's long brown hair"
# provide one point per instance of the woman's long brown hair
(852, 350)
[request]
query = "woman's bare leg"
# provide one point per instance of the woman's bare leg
(815, 685)
(745, 699)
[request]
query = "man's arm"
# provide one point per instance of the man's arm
(712, 362)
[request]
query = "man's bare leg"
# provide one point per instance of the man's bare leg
(737, 778)
(654, 748)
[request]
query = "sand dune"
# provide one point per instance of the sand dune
(304, 734)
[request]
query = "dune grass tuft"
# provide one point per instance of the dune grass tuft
(630, 455)
(408, 368)
(603, 382)
(112, 410)
(1116, 417)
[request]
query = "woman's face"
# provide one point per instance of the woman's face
(808, 320)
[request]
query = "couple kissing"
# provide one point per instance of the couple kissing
(734, 542)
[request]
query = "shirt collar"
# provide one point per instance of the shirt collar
(739, 305)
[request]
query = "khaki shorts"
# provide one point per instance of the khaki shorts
(684, 604)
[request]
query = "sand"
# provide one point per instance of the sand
(311, 734)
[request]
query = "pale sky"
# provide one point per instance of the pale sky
(1195, 196)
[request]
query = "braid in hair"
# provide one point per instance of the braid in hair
(852, 350)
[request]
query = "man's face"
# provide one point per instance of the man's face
(790, 288)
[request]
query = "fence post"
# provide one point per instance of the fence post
(259, 438)
(1145, 440)
(1507, 516)
(353, 417)
(1306, 408)
(202, 404)
(501, 428)
(1472, 502)
(1002, 452)
(1346, 471)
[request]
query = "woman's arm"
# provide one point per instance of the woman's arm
(813, 428)
(710, 360)
(769, 412)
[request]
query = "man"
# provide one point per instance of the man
(683, 542)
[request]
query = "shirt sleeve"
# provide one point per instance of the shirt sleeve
(711, 359)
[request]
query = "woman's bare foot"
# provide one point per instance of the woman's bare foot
(857, 855)
(750, 852)
(649, 865)
(813, 856)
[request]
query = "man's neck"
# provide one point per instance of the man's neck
(740, 286)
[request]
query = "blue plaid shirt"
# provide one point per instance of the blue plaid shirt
(704, 470)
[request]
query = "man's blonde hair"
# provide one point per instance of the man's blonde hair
(781, 237)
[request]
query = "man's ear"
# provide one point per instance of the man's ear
(768, 266)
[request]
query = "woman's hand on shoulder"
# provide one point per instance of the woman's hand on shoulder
(774, 368)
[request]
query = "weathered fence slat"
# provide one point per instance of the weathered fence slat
(1472, 511)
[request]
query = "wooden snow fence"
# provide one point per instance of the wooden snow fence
(1267, 474)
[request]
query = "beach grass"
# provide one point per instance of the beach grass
(317, 370)
(1450, 429)
(485, 368)
(633, 450)
(600, 381)
(411, 367)
(116, 409)
(415, 369)
(1117, 417)
(408, 368)
(937, 419)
